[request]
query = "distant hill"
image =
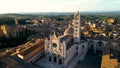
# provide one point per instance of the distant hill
(59, 13)
(102, 13)
(71, 13)
(49, 13)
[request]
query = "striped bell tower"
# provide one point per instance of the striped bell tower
(76, 22)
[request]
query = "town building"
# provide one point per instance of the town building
(61, 49)
(64, 51)
(31, 51)
(12, 30)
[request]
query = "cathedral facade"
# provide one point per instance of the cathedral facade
(61, 50)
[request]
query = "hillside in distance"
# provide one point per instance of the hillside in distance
(111, 13)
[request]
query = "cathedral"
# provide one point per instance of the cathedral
(60, 50)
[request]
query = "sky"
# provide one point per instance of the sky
(17, 6)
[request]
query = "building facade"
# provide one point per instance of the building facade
(62, 49)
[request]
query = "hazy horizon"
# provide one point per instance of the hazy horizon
(28, 6)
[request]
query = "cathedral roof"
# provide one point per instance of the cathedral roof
(64, 38)
(34, 49)
(69, 44)
(69, 41)
(69, 30)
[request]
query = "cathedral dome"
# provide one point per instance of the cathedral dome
(69, 30)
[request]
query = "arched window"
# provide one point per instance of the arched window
(76, 22)
(49, 58)
(83, 46)
(76, 34)
(60, 61)
(76, 53)
(76, 47)
(99, 44)
(91, 44)
(55, 59)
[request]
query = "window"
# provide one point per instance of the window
(76, 26)
(54, 45)
(76, 37)
(76, 47)
(49, 58)
(76, 34)
(99, 44)
(60, 61)
(76, 53)
(55, 59)
(76, 22)
(83, 46)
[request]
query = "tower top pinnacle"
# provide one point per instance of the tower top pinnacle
(77, 11)
(77, 14)
(16, 21)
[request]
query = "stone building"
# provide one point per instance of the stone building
(23, 56)
(31, 51)
(61, 49)
(12, 30)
